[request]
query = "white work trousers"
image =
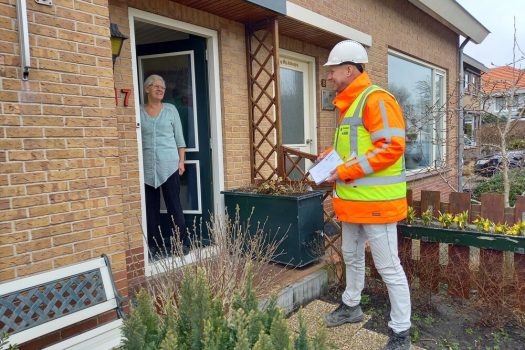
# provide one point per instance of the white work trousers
(383, 242)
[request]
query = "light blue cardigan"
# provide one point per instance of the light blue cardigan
(161, 138)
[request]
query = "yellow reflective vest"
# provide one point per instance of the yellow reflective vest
(351, 141)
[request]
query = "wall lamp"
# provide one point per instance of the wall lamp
(117, 40)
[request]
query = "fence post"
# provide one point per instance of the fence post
(429, 251)
(458, 269)
(405, 247)
(490, 282)
(519, 257)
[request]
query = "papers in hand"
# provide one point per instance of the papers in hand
(322, 170)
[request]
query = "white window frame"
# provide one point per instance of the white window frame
(310, 83)
(435, 71)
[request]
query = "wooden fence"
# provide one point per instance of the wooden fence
(492, 273)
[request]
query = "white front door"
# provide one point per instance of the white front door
(297, 89)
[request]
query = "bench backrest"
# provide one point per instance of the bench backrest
(40, 304)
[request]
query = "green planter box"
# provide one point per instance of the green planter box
(296, 218)
(514, 244)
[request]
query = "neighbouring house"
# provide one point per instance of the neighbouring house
(247, 77)
(499, 85)
(502, 97)
(472, 106)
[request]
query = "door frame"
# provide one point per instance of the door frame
(212, 47)
(312, 93)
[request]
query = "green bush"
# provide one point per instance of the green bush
(202, 323)
(495, 184)
(517, 144)
(4, 343)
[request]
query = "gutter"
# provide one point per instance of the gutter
(461, 139)
(23, 33)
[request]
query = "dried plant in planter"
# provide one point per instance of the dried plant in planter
(279, 187)
(234, 246)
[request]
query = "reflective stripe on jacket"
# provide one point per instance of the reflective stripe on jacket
(370, 139)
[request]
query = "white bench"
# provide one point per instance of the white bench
(41, 304)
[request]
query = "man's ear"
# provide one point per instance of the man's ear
(349, 68)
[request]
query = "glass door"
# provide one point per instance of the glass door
(182, 64)
(297, 107)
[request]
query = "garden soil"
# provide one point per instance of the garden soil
(442, 322)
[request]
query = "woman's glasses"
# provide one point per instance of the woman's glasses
(158, 87)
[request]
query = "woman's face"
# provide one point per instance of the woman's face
(156, 90)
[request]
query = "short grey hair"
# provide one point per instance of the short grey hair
(152, 79)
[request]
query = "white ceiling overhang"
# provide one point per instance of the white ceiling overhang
(455, 17)
(326, 24)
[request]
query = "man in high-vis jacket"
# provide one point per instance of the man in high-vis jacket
(369, 194)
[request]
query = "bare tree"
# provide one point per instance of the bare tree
(501, 96)
(431, 122)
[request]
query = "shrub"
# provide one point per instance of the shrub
(202, 323)
(4, 343)
(517, 144)
(495, 184)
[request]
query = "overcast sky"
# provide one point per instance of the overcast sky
(498, 17)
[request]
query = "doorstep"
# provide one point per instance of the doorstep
(296, 287)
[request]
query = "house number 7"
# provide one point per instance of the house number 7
(127, 93)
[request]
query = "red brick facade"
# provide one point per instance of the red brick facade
(69, 178)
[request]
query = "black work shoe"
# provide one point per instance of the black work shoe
(344, 314)
(398, 341)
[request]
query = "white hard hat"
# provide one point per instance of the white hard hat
(347, 51)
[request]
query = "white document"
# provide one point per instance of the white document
(322, 170)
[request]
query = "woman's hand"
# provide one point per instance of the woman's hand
(182, 169)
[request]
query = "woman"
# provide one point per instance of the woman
(163, 149)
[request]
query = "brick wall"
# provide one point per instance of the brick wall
(60, 178)
(234, 100)
(400, 26)
(70, 182)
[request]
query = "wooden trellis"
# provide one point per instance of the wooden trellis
(262, 44)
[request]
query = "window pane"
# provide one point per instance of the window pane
(439, 117)
(411, 84)
(292, 106)
(176, 70)
(189, 191)
(500, 103)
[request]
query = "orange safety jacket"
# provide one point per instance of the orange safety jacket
(381, 155)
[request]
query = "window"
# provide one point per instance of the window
(466, 82)
(475, 83)
(471, 83)
(469, 129)
(420, 90)
(501, 104)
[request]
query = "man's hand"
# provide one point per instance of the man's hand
(333, 177)
(182, 168)
(323, 154)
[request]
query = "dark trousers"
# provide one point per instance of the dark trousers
(157, 239)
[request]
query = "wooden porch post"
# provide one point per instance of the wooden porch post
(262, 53)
